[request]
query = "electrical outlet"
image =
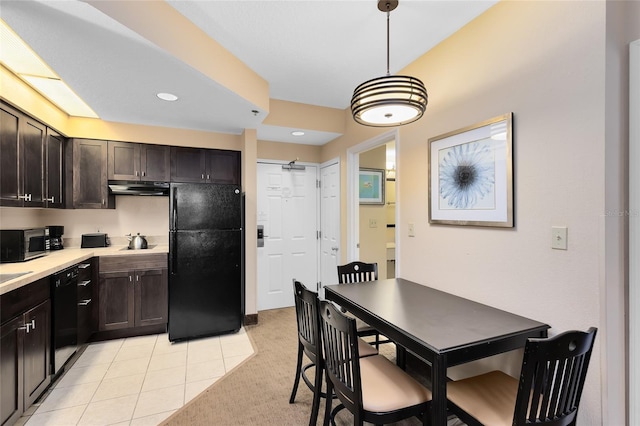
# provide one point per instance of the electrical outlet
(559, 237)
(412, 231)
(373, 223)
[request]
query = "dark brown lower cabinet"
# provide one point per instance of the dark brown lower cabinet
(132, 291)
(25, 361)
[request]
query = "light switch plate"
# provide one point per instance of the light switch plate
(412, 231)
(373, 223)
(559, 237)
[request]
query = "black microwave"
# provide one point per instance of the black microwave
(19, 245)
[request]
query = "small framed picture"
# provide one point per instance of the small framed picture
(371, 186)
(471, 175)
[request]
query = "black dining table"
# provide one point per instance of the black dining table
(441, 328)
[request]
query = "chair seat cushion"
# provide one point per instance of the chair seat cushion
(365, 349)
(490, 398)
(386, 387)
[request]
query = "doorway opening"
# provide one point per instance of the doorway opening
(367, 231)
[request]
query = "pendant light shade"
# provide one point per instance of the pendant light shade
(391, 100)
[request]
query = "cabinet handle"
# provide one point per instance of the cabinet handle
(208, 177)
(202, 175)
(51, 200)
(137, 277)
(84, 302)
(28, 325)
(144, 174)
(103, 201)
(84, 265)
(84, 283)
(25, 197)
(130, 278)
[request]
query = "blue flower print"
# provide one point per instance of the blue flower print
(467, 174)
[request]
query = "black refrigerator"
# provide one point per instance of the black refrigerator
(205, 260)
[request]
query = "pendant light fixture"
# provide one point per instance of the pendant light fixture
(391, 100)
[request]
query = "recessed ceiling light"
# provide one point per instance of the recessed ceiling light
(297, 133)
(167, 96)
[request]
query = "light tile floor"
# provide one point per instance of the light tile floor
(136, 381)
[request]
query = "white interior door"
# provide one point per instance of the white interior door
(288, 209)
(329, 223)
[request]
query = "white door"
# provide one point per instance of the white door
(288, 209)
(329, 223)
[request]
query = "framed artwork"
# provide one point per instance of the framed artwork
(471, 175)
(371, 186)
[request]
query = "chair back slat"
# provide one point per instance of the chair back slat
(341, 354)
(552, 378)
(356, 272)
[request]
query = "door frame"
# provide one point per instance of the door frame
(634, 231)
(353, 200)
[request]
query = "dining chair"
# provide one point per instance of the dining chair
(548, 392)
(356, 272)
(310, 345)
(372, 388)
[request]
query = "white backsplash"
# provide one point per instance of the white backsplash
(148, 216)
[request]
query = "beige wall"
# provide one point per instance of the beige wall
(373, 240)
(545, 62)
(147, 215)
(288, 152)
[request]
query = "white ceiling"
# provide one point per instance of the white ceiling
(312, 52)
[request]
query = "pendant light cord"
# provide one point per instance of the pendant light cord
(388, 14)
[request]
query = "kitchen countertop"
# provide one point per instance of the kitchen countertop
(58, 260)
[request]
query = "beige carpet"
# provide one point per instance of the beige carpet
(257, 391)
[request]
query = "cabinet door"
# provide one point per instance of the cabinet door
(54, 170)
(124, 161)
(155, 162)
(90, 188)
(37, 350)
(115, 306)
(188, 164)
(33, 142)
(223, 166)
(11, 371)
(10, 182)
(151, 297)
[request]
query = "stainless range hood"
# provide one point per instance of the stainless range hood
(125, 187)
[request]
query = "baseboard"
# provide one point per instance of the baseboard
(251, 319)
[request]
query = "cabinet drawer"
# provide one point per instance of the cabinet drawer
(85, 289)
(84, 270)
(137, 261)
(20, 300)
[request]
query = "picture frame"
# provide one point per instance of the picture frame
(471, 175)
(371, 186)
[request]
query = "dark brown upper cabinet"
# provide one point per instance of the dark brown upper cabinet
(22, 142)
(87, 177)
(54, 170)
(138, 162)
(205, 165)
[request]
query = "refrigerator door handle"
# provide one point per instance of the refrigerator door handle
(174, 207)
(174, 253)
